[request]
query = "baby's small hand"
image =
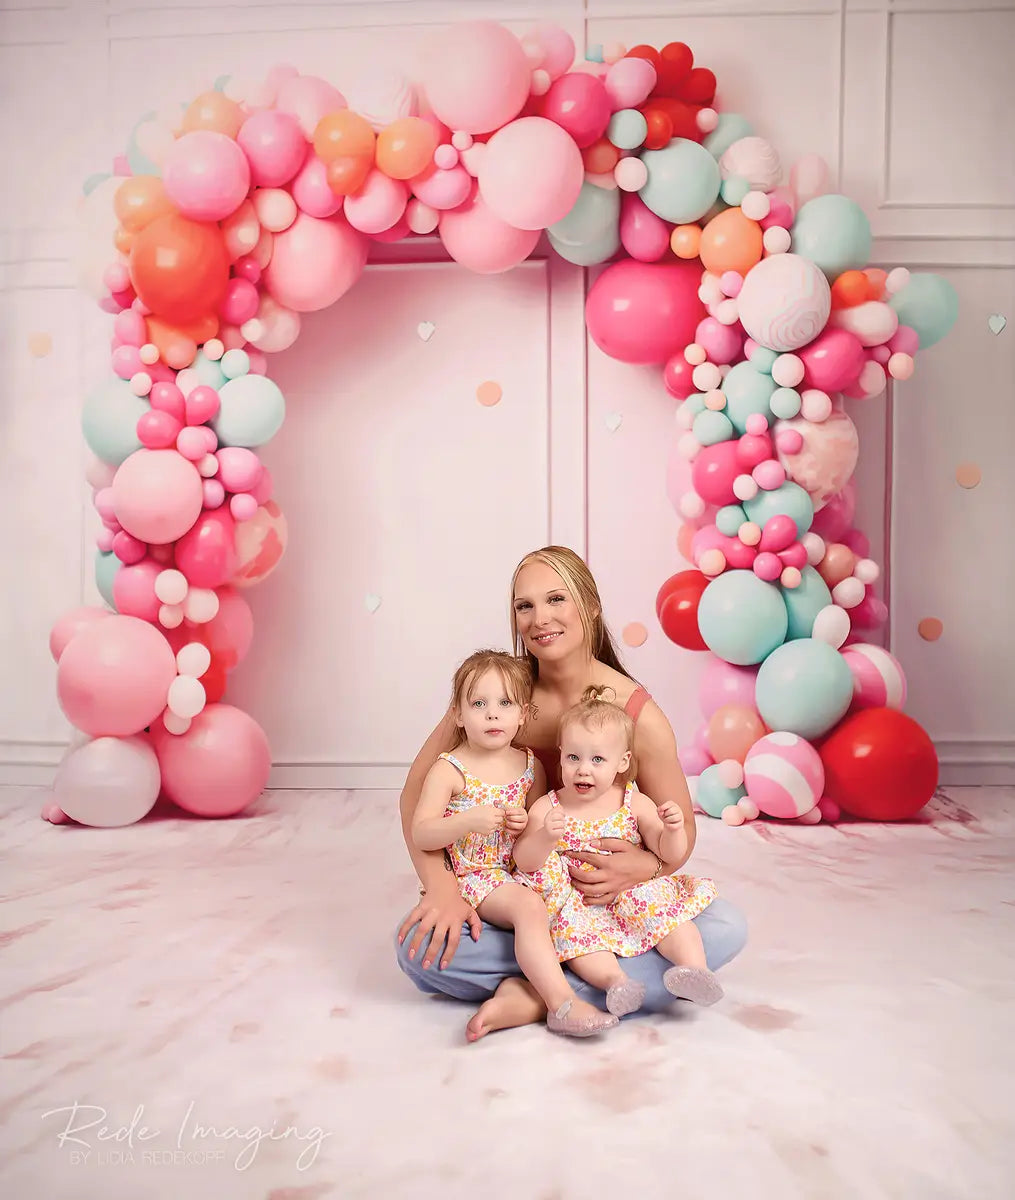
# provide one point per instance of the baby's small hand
(671, 815)
(555, 822)
(515, 820)
(487, 819)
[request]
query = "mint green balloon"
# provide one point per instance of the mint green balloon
(789, 500)
(695, 403)
(627, 129)
(929, 305)
(747, 391)
(590, 232)
(741, 618)
(109, 421)
(711, 427)
(833, 232)
(729, 518)
(731, 128)
(251, 412)
(804, 602)
(590, 253)
(106, 567)
(803, 687)
(786, 403)
(712, 795)
(735, 189)
(762, 359)
(209, 370)
(93, 181)
(141, 164)
(683, 181)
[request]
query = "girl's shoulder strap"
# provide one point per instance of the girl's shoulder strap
(629, 788)
(449, 757)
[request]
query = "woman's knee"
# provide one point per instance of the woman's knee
(723, 929)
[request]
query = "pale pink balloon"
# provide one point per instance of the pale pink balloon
(308, 99)
(274, 145)
(206, 175)
(694, 760)
(114, 676)
(722, 683)
(108, 782)
(531, 173)
(443, 189)
(134, 590)
(479, 239)
(314, 262)
(378, 205)
(629, 82)
(71, 623)
(260, 543)
(827, 458)
(239, 468)
(311, 192)
(476, 76)
(157, 495)
(557, 47)
(643, 235)
(722, 343)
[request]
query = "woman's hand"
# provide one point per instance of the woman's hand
(443, 912)
(624, 867)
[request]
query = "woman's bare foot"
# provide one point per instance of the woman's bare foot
(514, 1003)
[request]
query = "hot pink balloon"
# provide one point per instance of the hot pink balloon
(240, 302)
(476, 76)
(738, 556)
(580, 105)
(678, 377)
(833, 361)
(832, 521)
(134, 590)
(206, 554)
(714, 471)
(643, 235)
(219, 766)
(206, 175)
(157, 495)
(72, 623)
(644, 312)
(157, 429)
(479, 239)
(722, 683)
(722, 343)
(314, 262)
(311, 192)
(114, 675)
(779, 533)
(239, 469)
(274, 145)
(531, 173)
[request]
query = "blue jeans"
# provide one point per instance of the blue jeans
(478, 967)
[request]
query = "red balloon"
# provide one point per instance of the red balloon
(644, 312)
(879, 765)
(677, 608)
(675, 62)
(699, 87)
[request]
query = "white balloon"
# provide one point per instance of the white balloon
(174, 724)
(186, 697)
(849, 592)
(171, 586)
(108, 782)
(194, 659)
(201, 605)
(831, 625)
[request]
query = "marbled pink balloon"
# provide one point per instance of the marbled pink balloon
(826, 460)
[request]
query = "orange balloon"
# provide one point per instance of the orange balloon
(731, 242)
(732, 731)
(214, 111)
(601, 157)
(344, 134)
(348, 174)
(837, 564)
(405, 147)
(685, 240)
(660, 126)
(139, 200)
(876, 279)
(179, 268)
(177, 344)
(123, 241)
(850, 289)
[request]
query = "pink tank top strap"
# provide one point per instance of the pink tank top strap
(639, 698)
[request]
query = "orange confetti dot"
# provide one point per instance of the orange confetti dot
(635, 634)
(39, 344)
(489, 393)
(968, 475)
(930, 629)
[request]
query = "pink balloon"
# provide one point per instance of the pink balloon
(643, 235)
(134, 590)
(722, 683)
(108, 782)
(714, 471)
(832, 521)
(694, 760)
(311, 192)
(443, 189)
(206, 175)
(557, 46)
(779, 533)
(833, 361)
(229, 633)
(202, 404)
(157, 495)
(239, 469)
(157, 429)
(738, 556)
(378, 204)
(629, 82)
(399, 230)
(206, 554)
(476, 76)
(677, 376)
(478, 239)
(314, 262)
(130, 328)
(579, 104)
(644, 312)
(167, 397)
(128, 549)
(114, 675)
(274, 145)
(531, 173)
(722, 343)
(240, 302)
(308, 98)
(219, 766)
(70, 624)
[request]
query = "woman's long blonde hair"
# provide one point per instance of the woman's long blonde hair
(577, 578)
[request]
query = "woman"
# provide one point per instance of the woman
(557, 622)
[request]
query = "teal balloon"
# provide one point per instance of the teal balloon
(141, 164)
(833, 232)
(695, 403)
(590, 254)
(627, 129)
(734, 189)
(789, 499)
(712, 427)
(683, 181)
(741, 618)
(221, 83)
(804, 602)
(929, 305)
(785, 403)
(106, 567)
(762, 359)
(251, 411)
(595, 213)
(209, 370)
(93, 181)
(729, 518)
(804, 687)
(712, 795)
(109, 421)
(594, 53)
(731, 128)
(748, 392)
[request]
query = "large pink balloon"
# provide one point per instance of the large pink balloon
(477, 76)
(157, 495)
(644, 312)
(308, 98)
(478, 239)
(72, 623)
(723, 683)
(206, 553)
(134, 590)
(114, 676)
(206, 175)
(314, 262)
(531, 173)
(219, 766)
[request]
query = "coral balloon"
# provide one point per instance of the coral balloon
(644, 312)
(213, 111)
(405, 147)
(732, 731)
(677, 608)
(179, 268)
(139, 200)
(344, 134)
(731, 242)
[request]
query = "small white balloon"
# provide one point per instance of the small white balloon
(149, 354)
(831, 625)
(275, 208)
(684, 416)
(170, 616)
(727, 312)
(691, 505)
(815, 547)
(731, 773)
(745, 488)
(186, 697)
(187, 380)
(193, 659)
(867, 571)
(849, 592)
(208, 466)
(811, 817)
(896, 280)
(688, 447)
(201, 605)
(174, 724)
(141, 383)
(171, 586)
(695, 354)
(706, 377)
(788, 370)
(756, 206)
(213, 349)
(776, 240)
(748, 808)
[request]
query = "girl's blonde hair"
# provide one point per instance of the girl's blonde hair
(595, 711)
(578, 580)
(514, 672)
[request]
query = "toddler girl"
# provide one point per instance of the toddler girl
(599, 800)
(473, 805)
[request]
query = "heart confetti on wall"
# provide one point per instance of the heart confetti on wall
(39, 344)
(426, 330)
(613, 422)
(996, 323)
(372, 602)
(635, 634)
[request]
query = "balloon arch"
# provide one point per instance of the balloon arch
(232, 216)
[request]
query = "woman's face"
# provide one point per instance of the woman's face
(546, 614)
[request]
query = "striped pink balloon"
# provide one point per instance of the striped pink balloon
(784, 775)
(878, 678)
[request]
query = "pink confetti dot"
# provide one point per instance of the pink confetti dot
(635, 634)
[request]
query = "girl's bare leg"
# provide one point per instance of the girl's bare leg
(602, 971)
(690, 978)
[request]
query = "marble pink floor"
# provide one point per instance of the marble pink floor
(237, 976)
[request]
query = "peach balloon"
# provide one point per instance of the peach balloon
(214, 111)
(837, 564)
(405, 147)
(731, 242)
(343, 134)
(732, 731)
(685, 240)
(139, 200)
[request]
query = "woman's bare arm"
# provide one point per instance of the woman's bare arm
(660, 774)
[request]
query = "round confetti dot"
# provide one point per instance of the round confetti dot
(930, 629)
(39, 344)
(489, 393)
(968, 475)
(635, 634)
